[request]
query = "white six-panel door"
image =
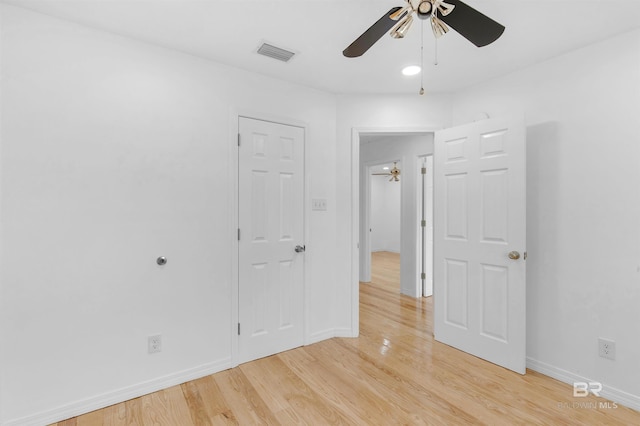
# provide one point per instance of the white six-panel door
(271, 210)
(480, 224)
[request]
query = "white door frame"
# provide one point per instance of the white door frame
(423, 248)
(355, 206)
(232, 196)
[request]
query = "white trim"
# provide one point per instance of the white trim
(330, 333)
(343, 332)
(419, 196)
(608, 392)
(234, 123)
(365, 225)
(124, 394)
(355, 232)
(273, 118)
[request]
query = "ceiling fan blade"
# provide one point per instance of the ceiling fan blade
(381, 174)
(373, 34)
(476, 27)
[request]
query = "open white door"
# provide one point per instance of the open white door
(479, 241)
(271, 240)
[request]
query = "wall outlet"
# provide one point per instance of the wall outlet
(607, 348)
(154, 343)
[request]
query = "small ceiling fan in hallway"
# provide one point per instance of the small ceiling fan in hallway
(394, 173)
(476, 27)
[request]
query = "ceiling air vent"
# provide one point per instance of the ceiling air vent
(275, 52)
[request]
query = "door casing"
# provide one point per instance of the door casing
(232, 197)
(355, 243)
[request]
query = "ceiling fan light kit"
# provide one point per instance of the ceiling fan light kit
(438, 27)
(476, 27)
(394, 173)
(400, 30)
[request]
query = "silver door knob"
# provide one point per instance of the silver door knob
(300, 249)
(514, 255)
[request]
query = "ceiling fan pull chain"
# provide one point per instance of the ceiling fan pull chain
(422, 58)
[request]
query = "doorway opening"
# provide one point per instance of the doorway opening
(409, 149)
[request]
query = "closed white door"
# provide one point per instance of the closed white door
(479, 241)
(271, 210)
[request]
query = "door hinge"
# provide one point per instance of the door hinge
(525, 255)
(238, 139)
(238, 329)
(423, 276)
(423, 170)
(423, 223)
(238, 234)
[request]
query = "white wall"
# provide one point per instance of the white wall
(115, 152)
(583, 269)
(385, 214)
(408, 149)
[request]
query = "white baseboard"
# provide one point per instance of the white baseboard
(344, 332)
(608, 392)
(94, 403)
(328, 334)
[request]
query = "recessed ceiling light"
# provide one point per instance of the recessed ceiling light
(411, 70)
(385, 168)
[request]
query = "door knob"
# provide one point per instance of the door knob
(300, 249)
(514, 255)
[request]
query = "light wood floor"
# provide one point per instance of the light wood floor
(394, 373)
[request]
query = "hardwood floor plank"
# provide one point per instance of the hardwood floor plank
(245, 403)
(393, 373)
(115, 415)
(133, 410)
(205, 397)
(166, 407)
(95, 418)
(356, 400)
(398, 398)
(271, 373)
(200, 411)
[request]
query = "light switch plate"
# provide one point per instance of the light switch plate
(319, 204)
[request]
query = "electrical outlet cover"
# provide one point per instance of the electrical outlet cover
(607, 348)
(154, 343)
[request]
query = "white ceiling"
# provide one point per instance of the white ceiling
(229, 31)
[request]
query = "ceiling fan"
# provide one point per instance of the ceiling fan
(479, 29)
(394, 173)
